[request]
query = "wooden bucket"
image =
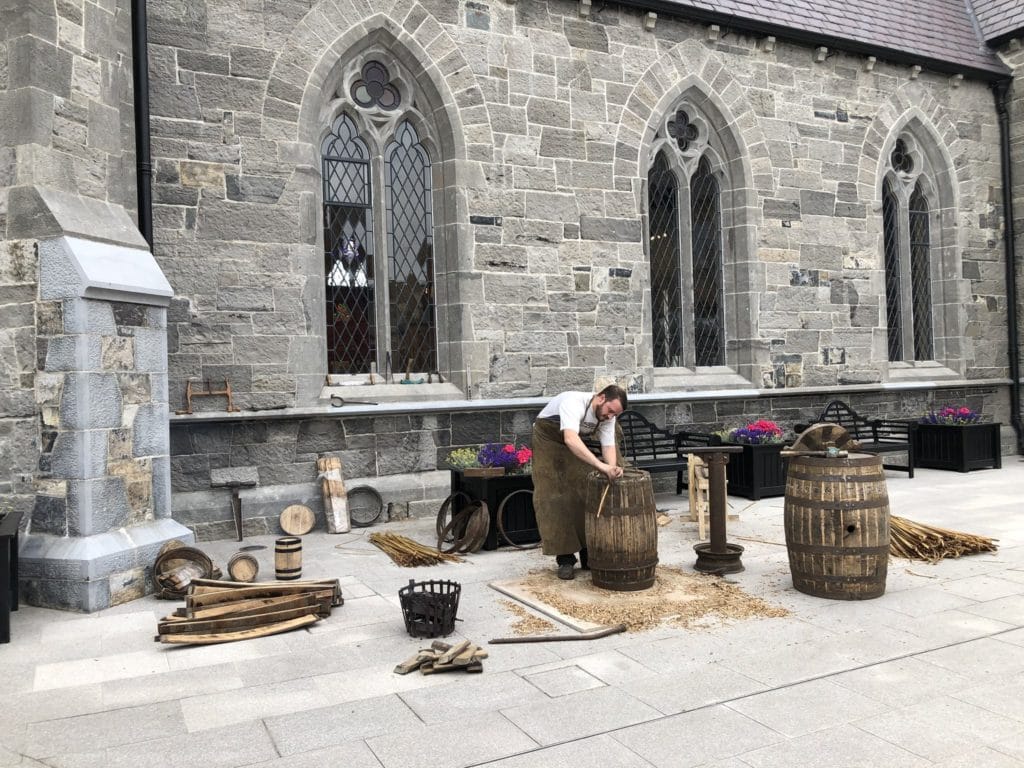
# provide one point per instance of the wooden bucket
(288, 558)
(837, 526)
(622, 533)
(243, 567)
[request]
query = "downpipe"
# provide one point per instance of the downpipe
(140, 89)
(1001, 91)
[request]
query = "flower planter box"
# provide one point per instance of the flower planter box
(959, 447)
(757, 472)
(520, 521)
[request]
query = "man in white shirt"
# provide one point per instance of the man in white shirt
(561, 463)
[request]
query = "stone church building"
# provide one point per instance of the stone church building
(443, 212)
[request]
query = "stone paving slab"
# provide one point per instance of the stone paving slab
(931, 673)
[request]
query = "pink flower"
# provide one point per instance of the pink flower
(523, 456)
(509, 448)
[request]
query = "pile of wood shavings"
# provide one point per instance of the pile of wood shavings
(527, 623)
(678, 598)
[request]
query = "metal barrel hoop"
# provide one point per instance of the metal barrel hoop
(500, 517)
(364, 521)
(442, 514)
(473, 520)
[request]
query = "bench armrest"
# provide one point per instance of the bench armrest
(684, 438)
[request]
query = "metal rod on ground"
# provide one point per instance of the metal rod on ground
(591, 635)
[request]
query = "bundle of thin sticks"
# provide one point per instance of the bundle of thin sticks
(409, 553)
(927, 542)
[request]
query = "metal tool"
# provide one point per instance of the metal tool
(337, 401)
(207, 392)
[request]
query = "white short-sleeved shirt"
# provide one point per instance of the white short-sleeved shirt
(573, 411)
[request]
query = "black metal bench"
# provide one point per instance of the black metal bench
(876, 436)
(646, 446)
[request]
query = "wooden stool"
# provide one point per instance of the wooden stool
(235, 478)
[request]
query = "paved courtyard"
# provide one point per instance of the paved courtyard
(931, 673)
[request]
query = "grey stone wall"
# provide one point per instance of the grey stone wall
(403, 456)
(65, 124)
(551, 118)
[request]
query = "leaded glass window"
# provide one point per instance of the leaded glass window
(706, 230)
(348, 251)
(666, 283)
(370, 321)
(907, 252)
(685, 248)
(410, 253)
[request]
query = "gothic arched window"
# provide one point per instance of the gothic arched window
(907, 251)
(377, 179)
(685, 246)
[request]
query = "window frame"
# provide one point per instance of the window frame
(378, 129)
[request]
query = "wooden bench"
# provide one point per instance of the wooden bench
(646, 446)
(876, 436)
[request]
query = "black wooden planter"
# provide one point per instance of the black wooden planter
(520, 521)
(757, 472)
(959, 447)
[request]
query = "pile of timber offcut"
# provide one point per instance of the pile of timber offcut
(224, 611)
(442, 657)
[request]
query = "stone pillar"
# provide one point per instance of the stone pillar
(103, 496)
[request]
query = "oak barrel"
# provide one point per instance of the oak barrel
(836, 516)
(288, 558)
(243, 567)
(622, 532)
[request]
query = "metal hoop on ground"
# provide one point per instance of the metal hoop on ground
(442, 517)
(364, 506)
(500, 516)
(474, 522)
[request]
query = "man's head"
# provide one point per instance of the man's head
(610, 402)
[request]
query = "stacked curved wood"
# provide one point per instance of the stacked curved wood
(225, 611)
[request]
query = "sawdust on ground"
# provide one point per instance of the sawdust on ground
(527, 623)
(677, 598)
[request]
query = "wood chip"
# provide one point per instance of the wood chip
(677, 597)
(528, 624)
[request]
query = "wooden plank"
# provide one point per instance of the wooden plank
(257, 590)
(261, 605)
(233, 623)
(415, 662)
(282, 587)
(244, 634)
(451, 653)
(332, 486)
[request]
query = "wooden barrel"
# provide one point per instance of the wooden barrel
(288, 558)
(243, 567)
(622, 533)
(837, 526)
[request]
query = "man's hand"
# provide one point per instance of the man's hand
(612, 472)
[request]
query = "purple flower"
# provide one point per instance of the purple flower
(951, 414)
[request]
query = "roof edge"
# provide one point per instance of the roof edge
(754, 26)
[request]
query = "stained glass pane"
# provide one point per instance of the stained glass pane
(920, 275)
(891, 242)
(348, 252)
(706, 226)
(411, 253)
(666, 304)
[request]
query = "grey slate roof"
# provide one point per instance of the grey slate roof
(999, 19)
(941, 33)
